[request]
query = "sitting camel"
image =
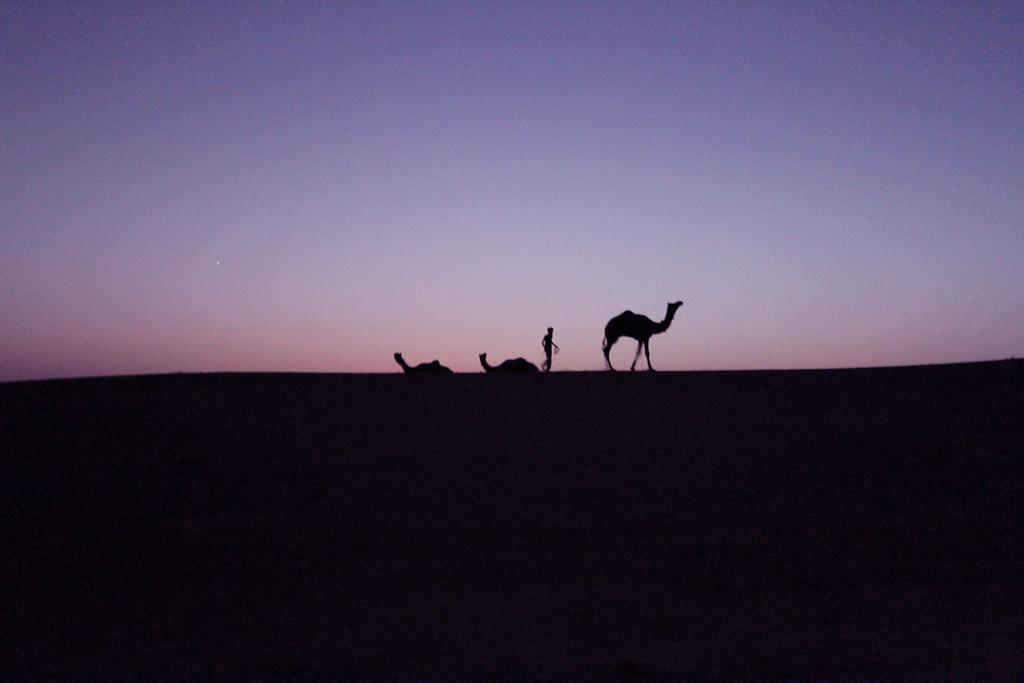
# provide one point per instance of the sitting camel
(432, 366)
(511, 365)
(636, 326)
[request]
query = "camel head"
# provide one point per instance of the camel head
(398, 356)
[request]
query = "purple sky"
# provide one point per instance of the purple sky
(823, 184)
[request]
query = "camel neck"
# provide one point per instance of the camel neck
(664, 324)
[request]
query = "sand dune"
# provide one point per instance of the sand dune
(839, 525)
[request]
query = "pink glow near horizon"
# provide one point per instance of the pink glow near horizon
(295, 189)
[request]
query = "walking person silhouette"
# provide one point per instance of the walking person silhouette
(548, 344)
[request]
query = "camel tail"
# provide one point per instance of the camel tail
(605, 348)
(608, 340)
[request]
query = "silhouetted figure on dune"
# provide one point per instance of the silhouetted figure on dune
(548, 344)
(432, 366)
(635, 326)
(511, 365)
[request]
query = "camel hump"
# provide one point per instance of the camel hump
(625, 315)
(523, 365)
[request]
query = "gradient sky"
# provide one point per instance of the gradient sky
(313, 186)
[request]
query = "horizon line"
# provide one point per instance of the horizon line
(68, 378)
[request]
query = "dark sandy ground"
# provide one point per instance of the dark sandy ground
(827, 525)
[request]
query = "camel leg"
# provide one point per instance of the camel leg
(637, 356)
(607, 358)
(647, 352)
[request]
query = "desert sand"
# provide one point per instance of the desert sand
(814, 525)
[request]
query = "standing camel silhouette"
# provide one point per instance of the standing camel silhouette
(511, 365)
(432, 366)
(635, 326)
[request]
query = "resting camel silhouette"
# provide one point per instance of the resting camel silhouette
(635, 326)
(432, 366)
(511, 365)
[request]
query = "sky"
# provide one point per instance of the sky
(314, 186)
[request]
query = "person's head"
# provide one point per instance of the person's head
(550, 330)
